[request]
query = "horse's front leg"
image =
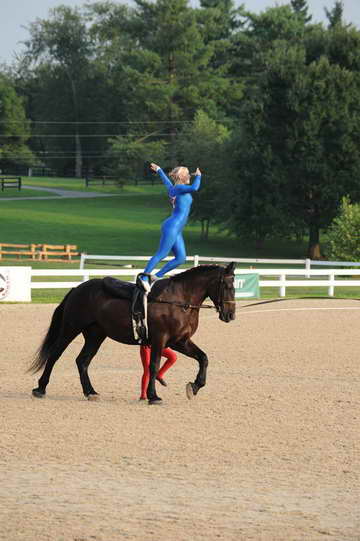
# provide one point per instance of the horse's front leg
(154, 369)
(192, 350)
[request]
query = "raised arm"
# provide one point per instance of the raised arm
(162, 175)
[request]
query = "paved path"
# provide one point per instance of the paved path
(68, 194)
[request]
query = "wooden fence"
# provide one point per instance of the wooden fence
(45, 252)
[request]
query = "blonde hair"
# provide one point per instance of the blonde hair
(180, 175)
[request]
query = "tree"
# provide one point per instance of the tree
(220, 19)
(256, 184)
(301, 8)
(325, 140)
(62, 46)
(252, 192)
(111, 70)
(49, 102)
(343, 234)
(14, 129)
(168, 68)
(335, 15)
(323, 146)
(299, 146)
(257, 35)
(127, 155)
(219, 22)
(202, 145)
(309, 116)
(163, 55)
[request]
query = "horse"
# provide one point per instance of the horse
(173, 310)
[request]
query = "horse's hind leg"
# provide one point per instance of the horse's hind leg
(192, 350)
(94, 337)
(40, 391)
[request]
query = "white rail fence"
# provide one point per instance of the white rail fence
(278, 278)
(197, 259)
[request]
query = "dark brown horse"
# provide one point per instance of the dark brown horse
(173, 316)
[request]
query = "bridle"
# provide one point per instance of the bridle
(218, 303)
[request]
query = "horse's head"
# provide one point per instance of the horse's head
(222, 293)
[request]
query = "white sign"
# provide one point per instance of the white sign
(15, 284)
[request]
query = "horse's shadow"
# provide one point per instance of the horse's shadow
(12, 395)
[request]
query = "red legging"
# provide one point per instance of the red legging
(145, 353)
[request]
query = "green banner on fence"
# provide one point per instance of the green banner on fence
(246, 286)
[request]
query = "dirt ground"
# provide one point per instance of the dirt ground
(268, 450)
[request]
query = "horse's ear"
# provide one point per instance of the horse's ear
(230, 268)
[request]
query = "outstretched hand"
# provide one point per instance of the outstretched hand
(154, 167)
(197, 172)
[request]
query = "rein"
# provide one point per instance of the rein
(185, 306)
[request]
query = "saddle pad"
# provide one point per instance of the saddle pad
(118, 288)
(131, 292)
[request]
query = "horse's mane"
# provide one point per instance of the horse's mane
(194, 272)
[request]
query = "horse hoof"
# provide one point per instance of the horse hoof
(155, 402)
(93, 397)
(190, 390)
(162, 381)
(38, 394)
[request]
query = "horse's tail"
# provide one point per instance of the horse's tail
(51, 338)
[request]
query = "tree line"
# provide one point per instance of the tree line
(267, 105)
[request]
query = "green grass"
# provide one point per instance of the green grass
(53, 182)
(109, 225)
(78, 184)
(128, 224)
(74, 184)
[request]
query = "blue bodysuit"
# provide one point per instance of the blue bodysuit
(171, 229)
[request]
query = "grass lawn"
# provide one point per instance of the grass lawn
(78, 184)
(128, 224)
(110, 225)
(125, 225)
